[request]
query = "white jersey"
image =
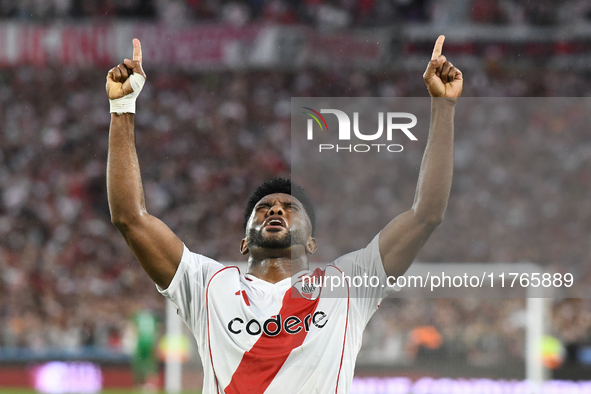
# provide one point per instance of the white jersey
(258, 337)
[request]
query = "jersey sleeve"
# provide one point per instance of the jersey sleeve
(188, 286)
(367, 278)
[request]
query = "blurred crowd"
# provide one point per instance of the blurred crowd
(205, 141)
(319, 13)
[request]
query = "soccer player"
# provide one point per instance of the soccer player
(144, 363)
(264, 330)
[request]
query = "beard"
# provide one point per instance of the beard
(256, 239)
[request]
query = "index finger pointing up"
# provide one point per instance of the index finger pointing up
(437, 49)
(137, 50)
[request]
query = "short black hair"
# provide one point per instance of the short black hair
(280, 185)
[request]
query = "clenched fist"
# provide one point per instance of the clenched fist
(118, 81)
(441, 77)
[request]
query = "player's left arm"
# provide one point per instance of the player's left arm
(401, 240)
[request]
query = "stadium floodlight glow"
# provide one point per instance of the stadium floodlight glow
(68, 377)
(402, 385)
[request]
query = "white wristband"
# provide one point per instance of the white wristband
(126, 104)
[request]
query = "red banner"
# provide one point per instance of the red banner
(196, 47)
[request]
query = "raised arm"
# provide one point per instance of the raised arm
(156, 247)
(401, 240)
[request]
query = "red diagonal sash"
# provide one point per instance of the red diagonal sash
(260, 364)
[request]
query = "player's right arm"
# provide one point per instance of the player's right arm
(156, 247)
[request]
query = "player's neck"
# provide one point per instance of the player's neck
(275, 268)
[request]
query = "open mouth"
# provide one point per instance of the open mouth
(274, 223)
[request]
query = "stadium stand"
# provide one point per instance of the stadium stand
(68, 280)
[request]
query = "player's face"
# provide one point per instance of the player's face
(278, 221)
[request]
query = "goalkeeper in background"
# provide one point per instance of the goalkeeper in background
(144, 362)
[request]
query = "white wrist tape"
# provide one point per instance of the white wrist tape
(126, 104)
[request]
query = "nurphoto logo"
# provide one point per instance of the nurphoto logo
(394, 123)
